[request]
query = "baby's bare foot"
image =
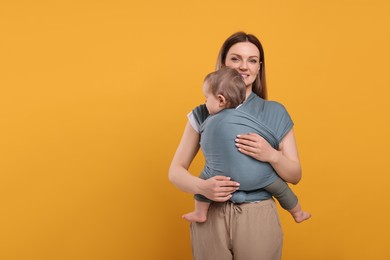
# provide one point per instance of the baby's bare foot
(195, 217)
(301, 216)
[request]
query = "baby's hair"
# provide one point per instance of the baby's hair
(228, 83)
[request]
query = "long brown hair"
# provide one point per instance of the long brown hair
(259, 86)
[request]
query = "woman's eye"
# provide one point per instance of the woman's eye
(234, 59)
(253, 61)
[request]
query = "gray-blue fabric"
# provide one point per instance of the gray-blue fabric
(269, 119)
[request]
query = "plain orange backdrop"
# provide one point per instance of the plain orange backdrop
(93, 102)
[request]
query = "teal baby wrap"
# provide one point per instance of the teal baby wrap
(218, 133)
(222, 157)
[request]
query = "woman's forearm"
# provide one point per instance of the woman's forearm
(186, 151)
(183, 180)
(286, 160)
(288, 169)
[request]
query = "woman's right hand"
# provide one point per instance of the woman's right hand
(219, 188)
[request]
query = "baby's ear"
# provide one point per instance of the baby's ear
(222, 100)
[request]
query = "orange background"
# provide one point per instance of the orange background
(93, 102)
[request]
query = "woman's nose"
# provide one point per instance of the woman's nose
(243, 65)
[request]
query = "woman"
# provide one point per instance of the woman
(250, 230)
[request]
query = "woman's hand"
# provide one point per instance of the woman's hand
(285, 161)
(218, 188)
(256, 146)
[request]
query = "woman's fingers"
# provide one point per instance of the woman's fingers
(220, 188)
(227, 189)
(223, 181)
(245, 142)
(255, 146)
(252, 145)
(247, 148)
(233, 184)
(250, 139)
(224, 193)
(223, 198)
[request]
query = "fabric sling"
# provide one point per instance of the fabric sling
(218, 133)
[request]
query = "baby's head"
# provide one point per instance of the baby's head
(224, 88)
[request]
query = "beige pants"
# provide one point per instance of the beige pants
(248, 231)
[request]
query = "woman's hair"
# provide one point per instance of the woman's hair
(259, 85)
(229, 83)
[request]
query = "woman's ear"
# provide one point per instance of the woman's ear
(222, 100)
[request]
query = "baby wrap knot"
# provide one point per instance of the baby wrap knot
(238, 197)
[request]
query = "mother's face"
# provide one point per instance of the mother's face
(245, 58)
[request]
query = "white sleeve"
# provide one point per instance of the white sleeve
(192, 121)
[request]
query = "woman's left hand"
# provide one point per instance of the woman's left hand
(255, 146)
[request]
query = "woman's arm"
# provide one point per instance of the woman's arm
(218, 188)
(285, 161)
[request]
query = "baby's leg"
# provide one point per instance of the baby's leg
(298, 214)
(287, 199)
(200, 212)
